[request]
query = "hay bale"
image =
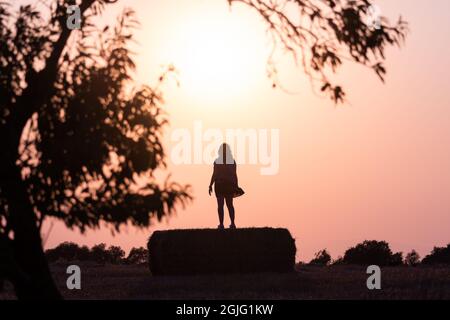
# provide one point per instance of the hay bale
(208, 251)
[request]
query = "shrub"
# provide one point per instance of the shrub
(412, 258)
(372, 252)
(439, 255)
(137, 256)
(69, 251)
(339, 261)
(99, 254)
(84, 253)
(321, 258)
(65, 251)
(115, 254)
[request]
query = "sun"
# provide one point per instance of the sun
(218, 56)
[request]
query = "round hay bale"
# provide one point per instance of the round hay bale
(208, 251)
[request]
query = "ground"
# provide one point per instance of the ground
(309, 282)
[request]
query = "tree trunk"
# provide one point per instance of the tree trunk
(28, 254)
(27, 245)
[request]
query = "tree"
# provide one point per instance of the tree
(137, 256)
(67, 251)
(84, 254)
(325, 33)
(372, 253)
(439, 255)
(77, 134)
(115, 254)
(322, 258)
(99, 254)
(339, 261)
(412, 258)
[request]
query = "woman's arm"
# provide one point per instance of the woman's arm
(213, 178)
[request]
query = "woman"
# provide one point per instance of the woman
(225, 182)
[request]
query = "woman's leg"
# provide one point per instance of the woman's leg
(230, 207)
(220, 209)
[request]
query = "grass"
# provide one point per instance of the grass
(308, 282)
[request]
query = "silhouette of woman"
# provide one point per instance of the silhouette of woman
(225, 182)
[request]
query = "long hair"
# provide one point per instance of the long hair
(224, 155)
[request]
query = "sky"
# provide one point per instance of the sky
(377, 167)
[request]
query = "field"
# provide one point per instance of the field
(309, 282)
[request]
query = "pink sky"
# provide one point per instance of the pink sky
(376, 168)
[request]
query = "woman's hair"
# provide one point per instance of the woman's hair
(224, 154)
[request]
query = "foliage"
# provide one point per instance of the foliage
(439, 255)
(372, 253)
(412, 258)
(65, 251)
(321, 35)
(115, 254)
(338, 261)
(81, 141)
(137, 256)
(322, 258)
(100, 253)
(95, 134)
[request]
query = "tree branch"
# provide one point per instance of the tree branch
(37, 92)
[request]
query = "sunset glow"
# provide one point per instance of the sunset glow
(375, 168)
(215, 55)
(210, 152)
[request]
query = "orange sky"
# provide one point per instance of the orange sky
(376, 168)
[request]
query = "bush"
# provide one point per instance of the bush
(115, 254)
(372, 253)
(69, 251)
(99, 254)
(65, 251)
(206, 251)
(438, 256)
(137, 256)
(84, 253)
(339, 261)
(322, 258)
(412, 259)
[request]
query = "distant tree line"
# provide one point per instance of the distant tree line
(366, 253)
(100, 253)
(379, 253)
